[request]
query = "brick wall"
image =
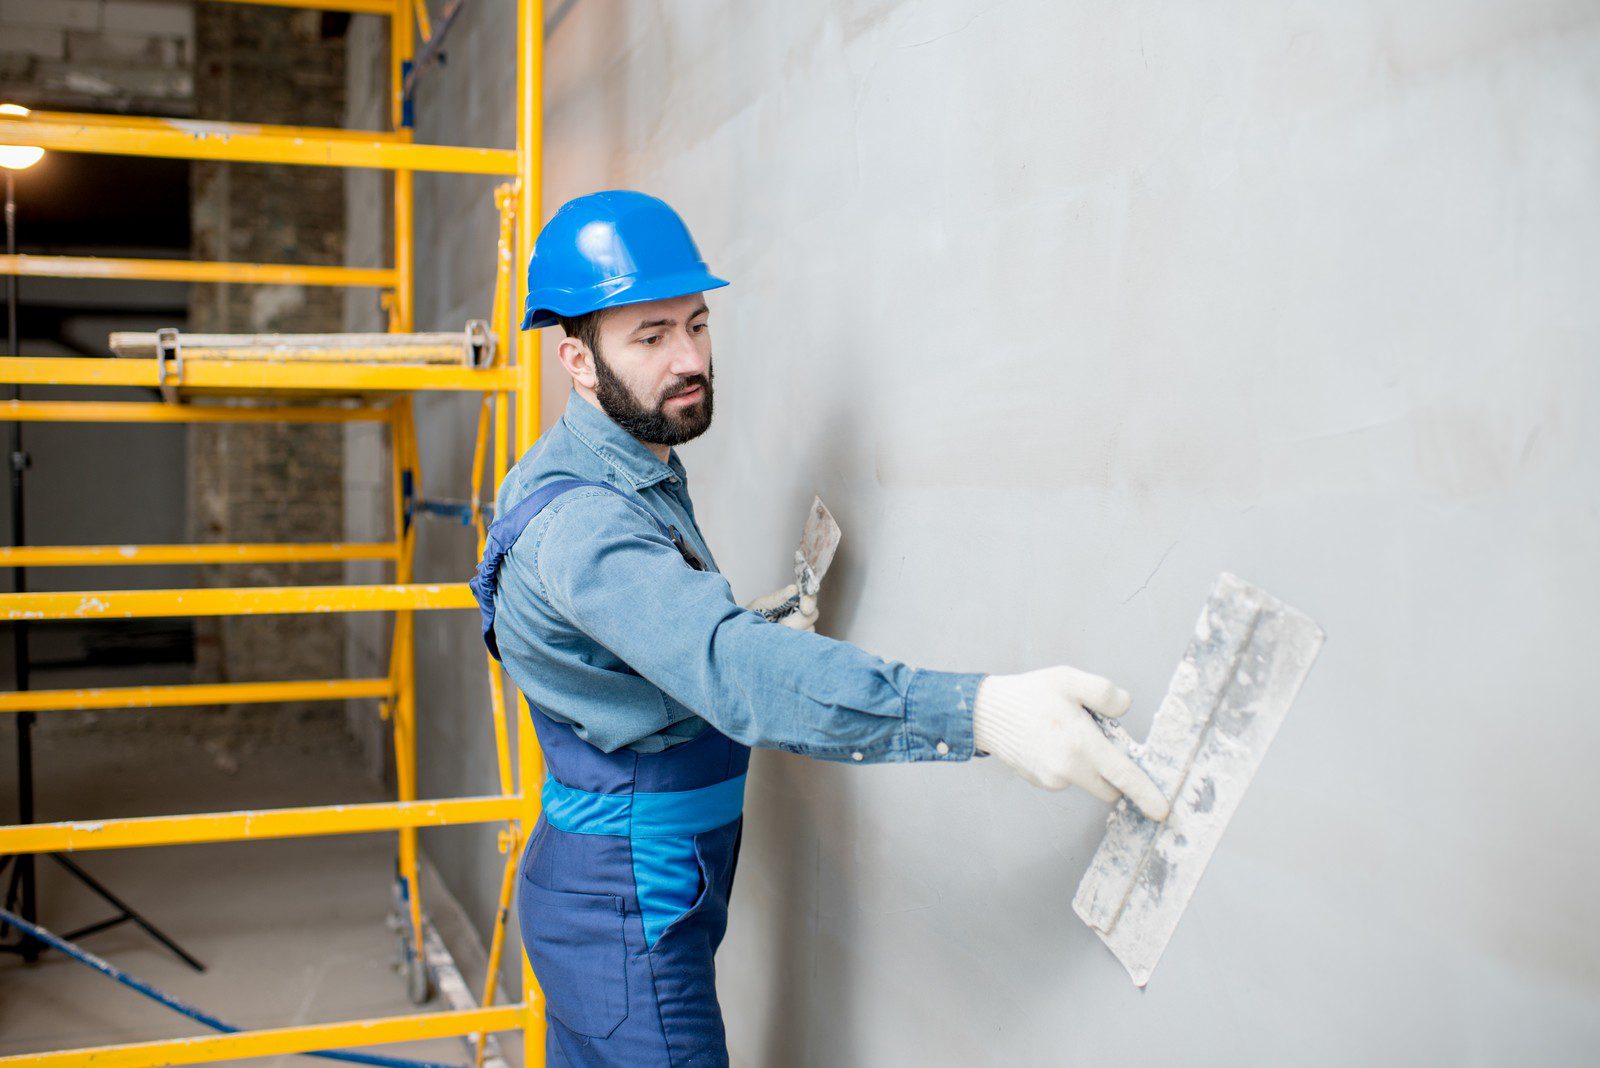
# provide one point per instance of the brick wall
(368, 487)
(268, 482)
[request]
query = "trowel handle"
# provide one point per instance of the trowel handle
(777, 612)
(1116, 735)
(806, 581)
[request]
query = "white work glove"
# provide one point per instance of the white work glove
(802, 618)
(1036, 723)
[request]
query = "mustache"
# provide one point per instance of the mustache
(685, 386)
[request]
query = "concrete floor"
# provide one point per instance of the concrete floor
(291, 931)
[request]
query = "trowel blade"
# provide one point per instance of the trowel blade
(818, 541)
(1245, 662)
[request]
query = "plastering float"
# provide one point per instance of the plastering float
(1246, 661)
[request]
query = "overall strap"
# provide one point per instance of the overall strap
(505, 531)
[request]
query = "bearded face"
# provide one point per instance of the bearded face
(651, 366)
(678, 412)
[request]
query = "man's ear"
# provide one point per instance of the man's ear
(578, 360)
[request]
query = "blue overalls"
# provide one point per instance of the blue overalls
(623, 894)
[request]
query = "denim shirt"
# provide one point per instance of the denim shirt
(603, 625)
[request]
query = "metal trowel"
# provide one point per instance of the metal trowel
(818, 541)
(1246, 660)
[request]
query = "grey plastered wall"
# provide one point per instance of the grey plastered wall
(1063, 309)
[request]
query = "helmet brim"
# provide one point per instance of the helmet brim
(547, 307)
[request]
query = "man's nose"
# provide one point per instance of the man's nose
(687, 360)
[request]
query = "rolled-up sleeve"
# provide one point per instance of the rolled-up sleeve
(600, 563)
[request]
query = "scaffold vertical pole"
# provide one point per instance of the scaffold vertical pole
(401, 45)
(530, 130)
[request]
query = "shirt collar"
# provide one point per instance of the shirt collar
(626, 454)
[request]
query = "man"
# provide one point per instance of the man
(649, 683)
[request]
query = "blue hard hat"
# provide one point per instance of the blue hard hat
(608, 249)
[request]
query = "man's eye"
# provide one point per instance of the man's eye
(651, 340)
(697, 327)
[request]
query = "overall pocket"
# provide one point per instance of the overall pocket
(713, 863)
(575, 944)
(670, 881)
(702, 889)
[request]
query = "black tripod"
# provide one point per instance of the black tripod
(22, 890)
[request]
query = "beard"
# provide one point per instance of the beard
(652, 423)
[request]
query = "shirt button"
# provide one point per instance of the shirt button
(857, 755)
(942, 748)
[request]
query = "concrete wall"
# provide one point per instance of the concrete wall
(468, 100)
(98, 55)
(1063, 309)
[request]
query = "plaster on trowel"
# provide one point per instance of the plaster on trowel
(818, 541)
(1245, 662)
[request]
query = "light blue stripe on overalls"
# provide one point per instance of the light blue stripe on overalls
(665, 869)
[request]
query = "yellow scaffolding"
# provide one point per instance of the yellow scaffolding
(359, 387)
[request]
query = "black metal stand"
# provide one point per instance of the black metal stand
(22, 891)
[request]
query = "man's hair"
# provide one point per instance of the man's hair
(585, 328)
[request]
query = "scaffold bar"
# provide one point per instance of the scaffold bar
(232, 601)
(143, 122)
(219, 553)
(246, 143)
(355, 7)
(226, 693)
(205, 1049)
(31, 411)
(131, 832)
(253, 375)
(285, 274)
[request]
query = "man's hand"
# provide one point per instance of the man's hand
(1037, 723)
(802, 618)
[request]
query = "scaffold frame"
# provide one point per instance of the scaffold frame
(298, 392)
